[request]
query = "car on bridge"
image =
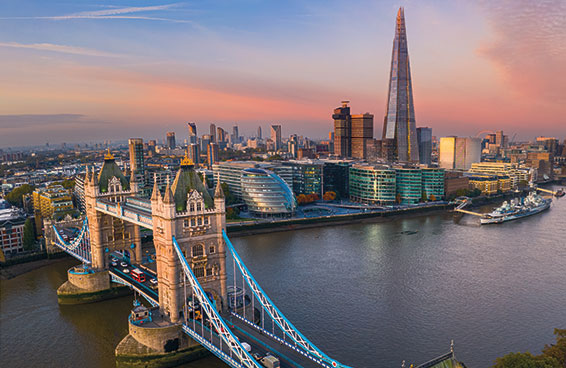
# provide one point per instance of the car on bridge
(269, 361)
(153, 282)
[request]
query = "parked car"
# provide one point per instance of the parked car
(123, 264)
(257, 356)
(125, 270)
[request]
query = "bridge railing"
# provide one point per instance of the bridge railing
(220, 326)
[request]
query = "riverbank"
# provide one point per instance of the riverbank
(246, 229)
(13, 270)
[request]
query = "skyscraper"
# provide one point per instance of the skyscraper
(135, 146)
(424, 139)
(213, 154)
(259, 132)
(235, 137)
(213, 133)
(342, 130)
(171, 140)
(194, 153)
(459, 153)
(362, 134)
(399, 128)
(193, 137)
(276, 136)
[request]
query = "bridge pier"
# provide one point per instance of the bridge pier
(156, 343)
(85, 285)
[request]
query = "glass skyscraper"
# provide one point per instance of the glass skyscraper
(399, 128)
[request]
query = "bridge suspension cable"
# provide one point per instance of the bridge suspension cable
(245, 359)
(276, 316)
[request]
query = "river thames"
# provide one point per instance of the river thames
(369, 295)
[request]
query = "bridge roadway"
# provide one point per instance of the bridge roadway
(260, 342)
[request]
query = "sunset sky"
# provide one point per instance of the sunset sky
(92, 70)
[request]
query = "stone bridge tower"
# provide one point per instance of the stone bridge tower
(187, 212)
(109, 233)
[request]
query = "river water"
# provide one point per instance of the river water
(370, 295)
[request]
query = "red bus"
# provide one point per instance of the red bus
(138, 275)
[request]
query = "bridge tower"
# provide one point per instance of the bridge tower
(109, 233)
(187, 212)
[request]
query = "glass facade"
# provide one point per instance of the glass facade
(374, 185)
(336, 178)
(433, 183)
(399, 123)
(266, 194)
(409, 185)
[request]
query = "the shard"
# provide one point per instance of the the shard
(399, 128)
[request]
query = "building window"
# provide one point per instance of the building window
(186, 222)
(199, 207)
(192, 206)
(211, 249)
(198, 271)
(198, 250)
(193, 222)
(200, 221)
(206, 220)
(209, 271)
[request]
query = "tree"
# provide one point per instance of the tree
(15, 196)
(229, 197)
(558, 350)
(553, 356)
(526, 360)
(432, 197)
(29, 235)
(329, 196)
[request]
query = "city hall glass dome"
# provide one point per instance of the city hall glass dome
(266, 194)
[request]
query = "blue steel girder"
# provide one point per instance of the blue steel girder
(220, 326)
(80, 241)
(282, 322)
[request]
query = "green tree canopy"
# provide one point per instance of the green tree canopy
(15, 196)
(29, 235)
(553, 356)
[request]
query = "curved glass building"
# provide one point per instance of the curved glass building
(266, 194)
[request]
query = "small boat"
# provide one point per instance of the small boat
(559, 193)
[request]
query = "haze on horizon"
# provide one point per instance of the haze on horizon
(81, 71)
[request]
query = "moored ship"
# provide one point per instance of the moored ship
(516, 209)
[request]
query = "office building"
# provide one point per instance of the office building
(433, 183)
(213, 133)
(220, 135)
(336, 178)
(193, 137)
(455, 183)
(399, 127)
(12, 222)
(276, 136)
(204, 141)
(193, 151)
(171, 144)
(135, 147)
(424, 140)
(409, 185)
(266, 194)
(342, 130)
(506, 169)
(213, 154)
(307, 176)
(79, 193)
(259, 133)
(459, 153)
(235, 137)
(362, 134)
(372, 184)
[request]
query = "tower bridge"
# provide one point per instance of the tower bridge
(192, 308)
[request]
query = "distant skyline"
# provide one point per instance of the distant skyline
(81, 71)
